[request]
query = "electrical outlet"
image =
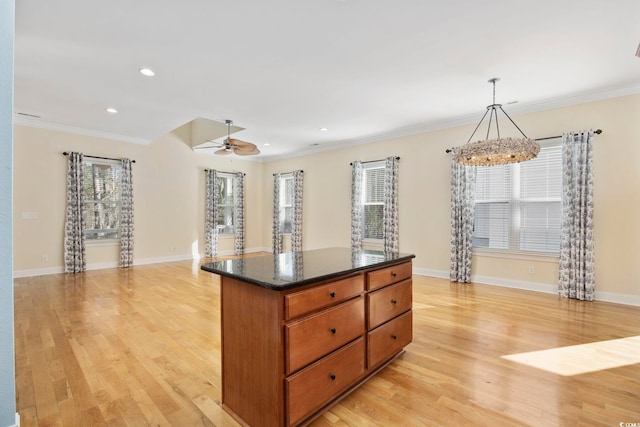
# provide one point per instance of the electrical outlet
(45, 258)
(532, 269)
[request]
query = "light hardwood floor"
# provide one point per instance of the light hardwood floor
(141, 346)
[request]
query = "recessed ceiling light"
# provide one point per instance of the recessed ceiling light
(111, 110)
(147, 72)
(323, 129)
(266, 144)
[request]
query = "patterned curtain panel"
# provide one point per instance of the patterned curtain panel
(74, 247)
(126, 215)
(463, 179)
(356, 206)
(296, 222)
(276, 232)
(238, 212)
(390, 208)
(211, 208)
(577, 279)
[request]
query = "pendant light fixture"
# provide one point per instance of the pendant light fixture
(499, 151)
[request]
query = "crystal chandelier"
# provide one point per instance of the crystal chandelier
(499, 151)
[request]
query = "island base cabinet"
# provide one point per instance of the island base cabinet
(289, 355)
(313, 387)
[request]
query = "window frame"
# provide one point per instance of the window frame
(117, 165)
(367, 167)
(515, 210)
(282, 203)
(220, 206)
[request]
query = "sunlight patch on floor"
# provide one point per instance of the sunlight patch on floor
(583, 358)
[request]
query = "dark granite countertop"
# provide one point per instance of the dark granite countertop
(292, 269)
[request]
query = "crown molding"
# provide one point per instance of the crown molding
(34, 123)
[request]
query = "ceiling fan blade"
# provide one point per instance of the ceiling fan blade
(246, 151)
(239, 143)
(222, 151)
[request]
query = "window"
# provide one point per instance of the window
(373, 200)
(518, 206)
(225, 207)
(286, 203)
(101, 208)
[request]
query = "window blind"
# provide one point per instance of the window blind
(518, 206)
(541, 201)
(373, 200)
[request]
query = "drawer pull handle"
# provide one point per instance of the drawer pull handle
(394, 302)
(333, 330)
(394, 337)
(332, 294)
(393, 274)
(332, 376)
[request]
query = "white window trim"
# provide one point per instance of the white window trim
(511, 253)
(519, 255)
(380, 164)
(101, 242)
(282, 206)
(227, 175)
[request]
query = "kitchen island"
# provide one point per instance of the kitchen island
(301, 330)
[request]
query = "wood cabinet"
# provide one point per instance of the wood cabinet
(288, 355)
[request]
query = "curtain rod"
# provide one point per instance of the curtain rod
(65, 153)
(230, 173)
(597, 132)
(373, 161)
(287, 172)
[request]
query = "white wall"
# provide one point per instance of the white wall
(424, 198)
(169, 199)
(169, 189)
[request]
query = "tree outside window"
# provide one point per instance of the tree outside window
(224, 218)
(101, 208)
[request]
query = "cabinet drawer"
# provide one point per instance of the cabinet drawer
(303, 302)
(387, 303)
(313, 337)
(389, 339)
(386, 276)
(309, 389)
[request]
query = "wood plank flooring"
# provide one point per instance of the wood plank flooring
(141, 346)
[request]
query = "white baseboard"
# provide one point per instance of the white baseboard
(113, 264)
(441, 274)
(17, 424)
(616, 298)
(548, 288)
(37, 272)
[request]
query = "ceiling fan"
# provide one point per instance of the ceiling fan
(232, 145)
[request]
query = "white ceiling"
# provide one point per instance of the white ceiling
(282, 69)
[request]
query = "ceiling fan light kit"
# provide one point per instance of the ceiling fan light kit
(498, 151)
